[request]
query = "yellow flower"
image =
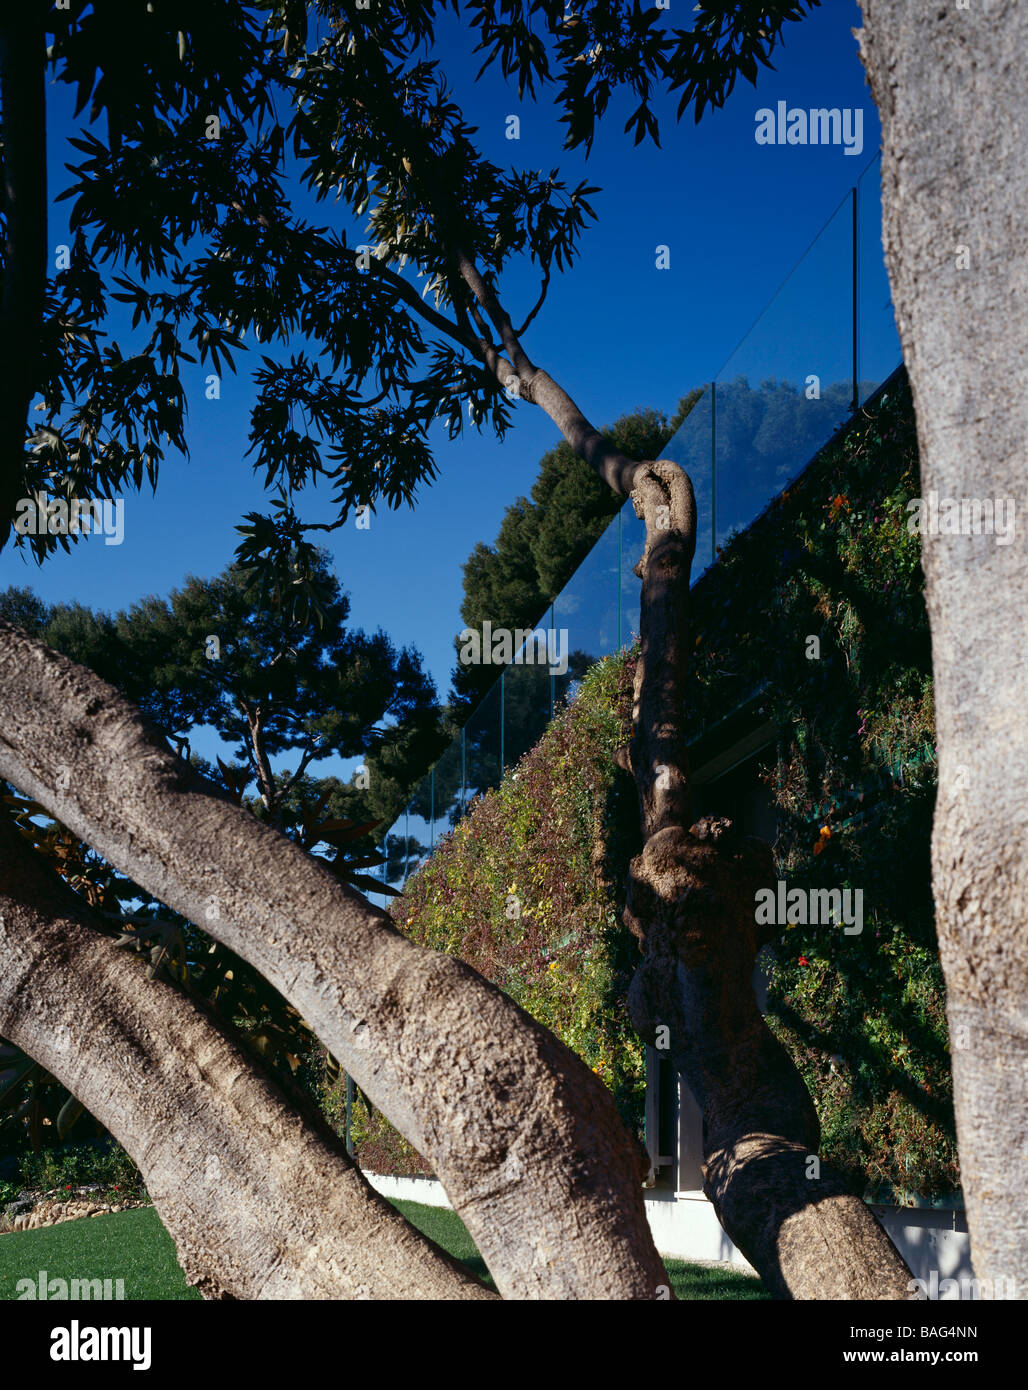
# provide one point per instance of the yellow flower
(554, 965)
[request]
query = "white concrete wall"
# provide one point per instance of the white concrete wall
(684, 1226)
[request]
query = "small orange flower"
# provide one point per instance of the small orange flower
(838, 504)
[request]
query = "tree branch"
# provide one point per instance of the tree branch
(520, 332)
(525, 1139)
(260, 1202)
(406, 291)
(265, 777)
(691, 904)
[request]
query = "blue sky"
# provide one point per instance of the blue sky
(616, 332)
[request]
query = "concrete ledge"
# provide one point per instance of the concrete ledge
(425, 1190)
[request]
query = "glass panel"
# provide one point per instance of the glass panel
(633, 537)
(878, 345)
(396, 848)
(379, 872)
(586, 614)
(482, 735)
(526, 701)
(789, 385)
(448, 793)
(780, 397)
(689, 447)
(419, 823)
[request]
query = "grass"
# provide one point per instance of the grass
(129, 1245)
(134, 1246)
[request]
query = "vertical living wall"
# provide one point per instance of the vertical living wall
(812, 624)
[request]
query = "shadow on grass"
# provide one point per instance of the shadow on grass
(133, 1246)
(689, 1281)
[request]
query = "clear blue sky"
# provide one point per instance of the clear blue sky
(616, 332)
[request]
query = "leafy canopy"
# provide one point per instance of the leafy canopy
(197, 229)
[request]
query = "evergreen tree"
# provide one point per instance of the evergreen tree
(543, 540)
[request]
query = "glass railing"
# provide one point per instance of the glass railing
(820, 348)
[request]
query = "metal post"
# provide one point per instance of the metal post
(348, 1115)
(621, 512)
(502, 674)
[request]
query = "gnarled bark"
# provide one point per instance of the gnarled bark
(260, 1202)
(949, 86)
(525, 1139)
(691, 903)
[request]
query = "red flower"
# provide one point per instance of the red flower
(804, 961)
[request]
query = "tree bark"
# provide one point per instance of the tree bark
(691, 903)
(260, 1201)
(949, 86)
(525, 1139)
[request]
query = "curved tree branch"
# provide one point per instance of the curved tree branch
(261, 1202)
(691, 903)
(525, 1139)
(520, 332)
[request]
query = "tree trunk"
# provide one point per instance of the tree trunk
(260, 1203)
(525, 1139)
(691, 903)
(949, 86)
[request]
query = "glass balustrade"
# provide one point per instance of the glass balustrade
(822, 346)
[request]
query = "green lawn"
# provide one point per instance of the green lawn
(130, 1245)
(134, 1246)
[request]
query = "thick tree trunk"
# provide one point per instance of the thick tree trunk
(260, 1203)
(525, 1139)
(949, 86)
(691, 903)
